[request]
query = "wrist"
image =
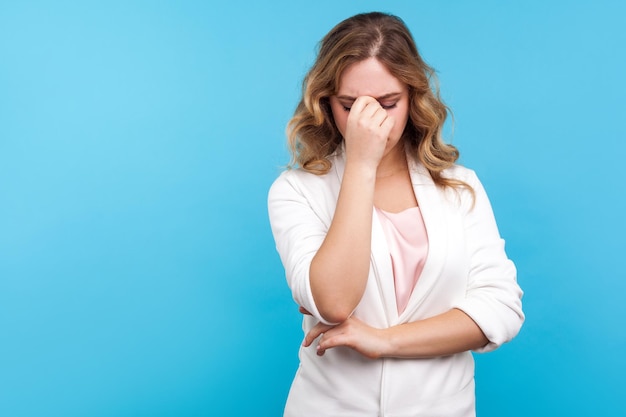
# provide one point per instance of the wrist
(387, 342)
(361, 169)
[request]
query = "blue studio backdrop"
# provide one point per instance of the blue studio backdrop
(138, 139)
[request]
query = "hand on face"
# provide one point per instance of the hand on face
(367, 131)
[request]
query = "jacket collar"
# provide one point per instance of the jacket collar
(430, 199)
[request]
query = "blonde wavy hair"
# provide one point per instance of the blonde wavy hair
(312, 134)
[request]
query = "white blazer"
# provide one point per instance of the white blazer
(466, 268)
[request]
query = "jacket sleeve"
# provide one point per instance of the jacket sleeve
(493, 297)
(298, 232)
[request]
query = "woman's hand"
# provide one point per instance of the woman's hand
(353, 333)
(445, 334)
(367, 131)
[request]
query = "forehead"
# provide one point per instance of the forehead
(368, 78)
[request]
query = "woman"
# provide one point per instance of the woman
(390, 249)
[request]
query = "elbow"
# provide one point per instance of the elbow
(335, 298)
(336, 313)
(334, 305)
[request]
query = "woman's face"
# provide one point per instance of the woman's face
(371, 78)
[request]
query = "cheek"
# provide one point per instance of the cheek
(341, 120)
(401, 120)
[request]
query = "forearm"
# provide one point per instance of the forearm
(339, 270)
(446, 334)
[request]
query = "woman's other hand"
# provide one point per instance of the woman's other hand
(353, 333)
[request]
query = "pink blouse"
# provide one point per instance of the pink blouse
(408, 246)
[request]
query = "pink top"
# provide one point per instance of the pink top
(408, 246)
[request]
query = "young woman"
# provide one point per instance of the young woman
(390, 249)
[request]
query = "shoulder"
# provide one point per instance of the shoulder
(467, 188)
(297, 193)
(299, 181)
(460, 173)
(470, 183)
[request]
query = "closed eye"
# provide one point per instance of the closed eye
(384, 106)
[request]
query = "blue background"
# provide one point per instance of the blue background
(138, 139)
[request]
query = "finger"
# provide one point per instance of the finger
(360, 104)
(320, 351)
(370, 119)
(314, 333)
(333, 341)
(304, 311)
(371, 116)
(363, 101)
(379, 117)
(388, 124)
(372, 109)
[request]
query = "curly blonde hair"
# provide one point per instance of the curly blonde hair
(312, 133)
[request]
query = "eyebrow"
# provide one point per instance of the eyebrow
(383, 97)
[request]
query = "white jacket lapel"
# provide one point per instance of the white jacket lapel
(383, 270)
(429, 198)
